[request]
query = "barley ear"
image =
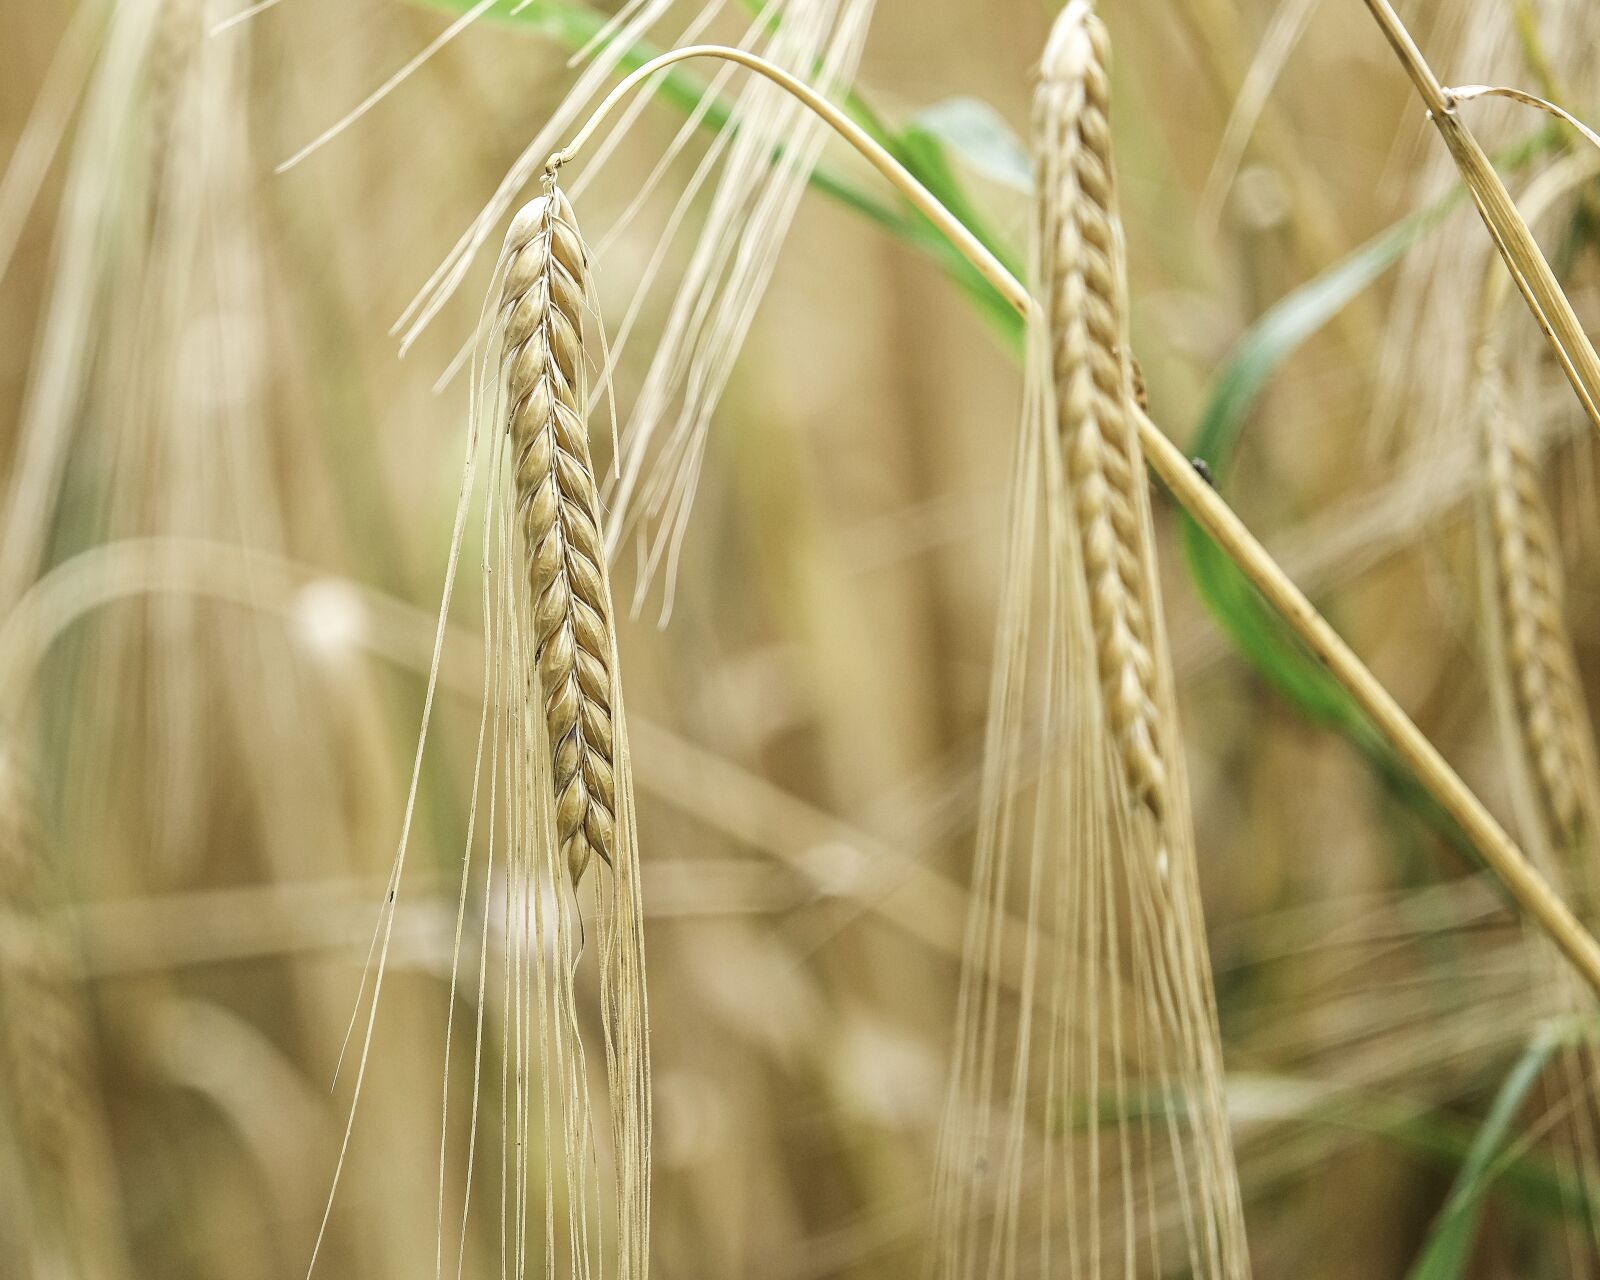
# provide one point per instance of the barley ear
(1047, 1153)
(1094, 394)
(1095, 388)
(1549, 745)
(1537, 651)
(558, 508)
(544, 294)
(1533, 670)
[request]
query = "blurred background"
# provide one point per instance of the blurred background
(227, 514)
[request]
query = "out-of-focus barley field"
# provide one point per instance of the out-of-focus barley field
(226, 522)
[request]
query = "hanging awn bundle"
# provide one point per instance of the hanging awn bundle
(1086, 1133)
(553, 788)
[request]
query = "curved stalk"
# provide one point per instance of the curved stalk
(1502, 855)
(920, 198)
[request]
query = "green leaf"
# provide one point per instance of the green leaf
(1249, 367)
(1448, 1248)
(1533, 1180)
(1255, 629)
(1537, 1183)
(1290, 323)
(980, 136)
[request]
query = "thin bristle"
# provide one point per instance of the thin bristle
(558, 509)
(1093, 389)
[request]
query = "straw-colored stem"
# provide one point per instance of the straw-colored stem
(1531, 891)
(1527, 265)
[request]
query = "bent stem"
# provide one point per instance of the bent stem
(920, 198)
(1517, 247)
(1530, 890)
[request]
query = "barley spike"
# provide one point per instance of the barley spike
(1549, 700)
(1082, 242)
(558, 509)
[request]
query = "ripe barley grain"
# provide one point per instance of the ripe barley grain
(558, 511)
(1094, 386)
(1147, 841)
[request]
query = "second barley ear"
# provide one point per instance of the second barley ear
(1096, 388)
(1537, 650)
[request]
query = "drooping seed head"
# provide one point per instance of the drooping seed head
(1083, 270)
(1547, 694)
(558, 511)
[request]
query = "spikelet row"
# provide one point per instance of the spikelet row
(1094, 388)
(558, 509)
(1527, 574)
(574, 679)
